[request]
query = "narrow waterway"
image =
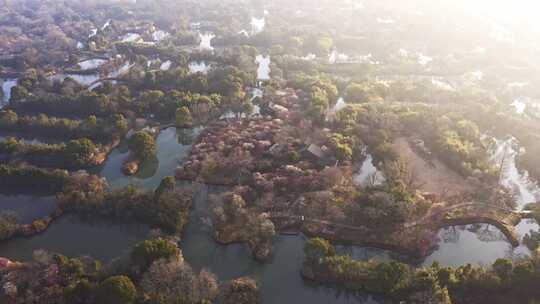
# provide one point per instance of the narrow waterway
(279, 279)
(7, 84)
(263, 70)
(505, 153)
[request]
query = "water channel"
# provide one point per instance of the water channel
(280, 279)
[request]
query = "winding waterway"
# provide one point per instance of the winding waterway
(279, 279)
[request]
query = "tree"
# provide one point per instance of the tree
(8, 225)
(18, 93)
(80, 292)
(117, 290)
(183, 117)
(148, 251)
(503, 268)
(120, 123)
(79, 151)
(8, 118)
(341, 146)
(318, 248)
(389, 275)
(173, 281)
(361, 93)
(142, 145)
(468, 130)
(319, 105)
(168, 184)
(242, 291)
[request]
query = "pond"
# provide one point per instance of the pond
(479, 244)
(206, 41)
(91, 79)
(280, 279)
(172, 146)
(72, 236)
(91, 64)
(263, 70)
(27, 208)
(198, 67)
(336, 57)
(130, 37)
(165, 66)
(257, 25)
(159, 35)
(368, 174)
(7, 84)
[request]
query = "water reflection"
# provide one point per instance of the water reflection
(7, 84)
(280, 279)
(171, 149)
(27, 208)
(479, 244)
(74, 236)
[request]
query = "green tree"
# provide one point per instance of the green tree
(117, 290)
(18, 93)
(80, 292)
(361, 93)
(168, 184)
(142, 145)
(389, 276)
(120, 123)
(183, 117)
(318, 248)
(341, 146)
(148, 251)
(242, 291)
(79, 151)
(8, 118)
(319, 105)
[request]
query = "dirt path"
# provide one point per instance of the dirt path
(431, 176)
